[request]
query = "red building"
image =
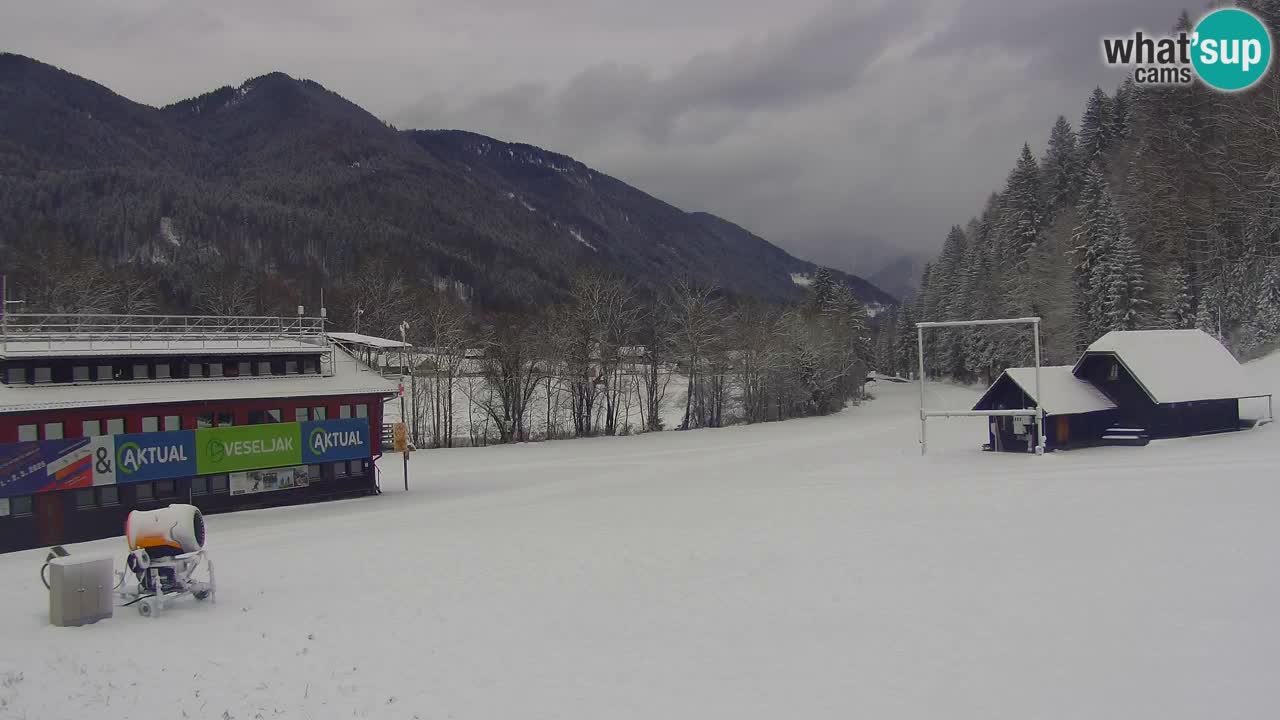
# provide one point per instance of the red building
(100, 415)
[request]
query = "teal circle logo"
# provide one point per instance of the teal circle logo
(1231, 49)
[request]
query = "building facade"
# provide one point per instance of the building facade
(101, 415)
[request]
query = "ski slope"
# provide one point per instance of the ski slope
(816, 568)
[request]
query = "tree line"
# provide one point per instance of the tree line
(1159, 209)
(608, 359)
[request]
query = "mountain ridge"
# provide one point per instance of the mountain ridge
(289, 182)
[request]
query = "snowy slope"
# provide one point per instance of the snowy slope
(810, 569)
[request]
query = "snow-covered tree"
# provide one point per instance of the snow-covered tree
(1061, 167)
(1127, 306)
(1179, 309)
(1096, 126)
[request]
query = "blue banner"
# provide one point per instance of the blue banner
(335, 440)
(153, 456)
(32, 467)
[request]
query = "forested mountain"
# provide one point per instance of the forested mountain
(254, 198)
(1160, 208)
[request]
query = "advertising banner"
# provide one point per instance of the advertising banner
(247, 447)
(257, 481)
(140, 457)
(335, 440)
(34, 467)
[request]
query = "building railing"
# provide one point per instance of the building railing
(35, 331)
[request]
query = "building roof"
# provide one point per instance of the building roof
(370, 341)
(70, 347)
(1063, 392)
(1176, 365)
(349, 377)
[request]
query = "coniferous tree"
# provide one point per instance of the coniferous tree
(1122, 111)
(1126, 287)
(1062, 170)
(1095, 126)
(1091, 245)
(1179, 312)
(822, 290)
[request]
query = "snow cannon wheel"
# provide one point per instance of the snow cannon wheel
(147, 608)
(201, 594)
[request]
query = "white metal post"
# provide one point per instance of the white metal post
(924, 444)
(1035, 326)
(1037, 413)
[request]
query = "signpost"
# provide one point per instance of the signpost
(401, 429)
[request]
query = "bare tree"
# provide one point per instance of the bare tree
(513, 365)
(444, 328)
(697, 315)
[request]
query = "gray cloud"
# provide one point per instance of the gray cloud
(842, 131)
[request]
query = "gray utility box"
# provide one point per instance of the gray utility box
(79, 589)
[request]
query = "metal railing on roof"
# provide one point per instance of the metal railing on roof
(27, 332)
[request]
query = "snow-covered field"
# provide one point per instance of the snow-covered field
(813, 568)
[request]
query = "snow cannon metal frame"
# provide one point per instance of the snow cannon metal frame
(166, 548)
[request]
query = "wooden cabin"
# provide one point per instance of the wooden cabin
(1127, 387)
(1076, 412)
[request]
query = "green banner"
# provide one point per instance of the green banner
(247, 447)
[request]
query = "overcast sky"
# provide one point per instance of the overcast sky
(829, 128)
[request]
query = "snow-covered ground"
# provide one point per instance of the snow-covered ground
(813, 568)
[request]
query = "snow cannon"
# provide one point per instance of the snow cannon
(172, 530)
(166, 547)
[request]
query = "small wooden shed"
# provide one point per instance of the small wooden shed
(1076, 412)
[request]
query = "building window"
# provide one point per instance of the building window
(80, 373)
(200, 486)
(43, 375)
(244, 367)
(28, 433)
(1113, 373)
(313, 364)
(340, 469)
(290, 367)
(215, 369)
(108, 495)
(172, 423)
(317, 413)
(140, 371)
(143, 491)
(218, 484)
(162, 371)
(355, 467)
(166, 488)
(313, 473)
(20, 505)
(362, 411)
(264, 367)
(105, 373)
(84, 498)
(262, 417)
(151, 424)
(344, 411)
(226, 419)
(53, 431)
(16, 375)
(91, 428)
(204, 420)
(300, 414)
(115, 426)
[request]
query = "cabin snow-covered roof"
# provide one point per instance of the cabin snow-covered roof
(349, 377)
(1176, 365)
(1063, 393)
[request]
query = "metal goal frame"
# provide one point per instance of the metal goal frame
(1037, 412)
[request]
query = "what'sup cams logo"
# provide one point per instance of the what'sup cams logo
(1229, 50)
